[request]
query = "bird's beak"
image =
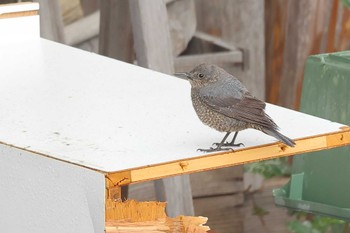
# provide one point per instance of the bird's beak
(183, 75)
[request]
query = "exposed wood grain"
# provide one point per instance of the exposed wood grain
(226, 212)
(18, 14)
(51, 23)
(115, 38)
(135, 216)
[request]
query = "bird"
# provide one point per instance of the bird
(222, 102)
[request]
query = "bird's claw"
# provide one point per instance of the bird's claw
(229, 144)
(212, 149)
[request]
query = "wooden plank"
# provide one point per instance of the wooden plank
(322, 31)
(83, 29)
(151, 35)
(224, 212)
(225, 159)
(144, 191)
(115, 38)
(215, 40)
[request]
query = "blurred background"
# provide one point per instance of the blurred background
(265, 43)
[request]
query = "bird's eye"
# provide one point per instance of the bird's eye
(200, 75)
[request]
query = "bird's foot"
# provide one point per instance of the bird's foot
(227, 144)
(212, 149)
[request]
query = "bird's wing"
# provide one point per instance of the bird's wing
(239, 105)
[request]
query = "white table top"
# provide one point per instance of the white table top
(108, 115)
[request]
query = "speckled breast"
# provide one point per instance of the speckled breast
(214, 119)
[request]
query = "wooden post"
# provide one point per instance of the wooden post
(51, 23)
(246, 32)
(153, 49)
(275, 20)
(151, 35)
(300, 22)
(176, 191)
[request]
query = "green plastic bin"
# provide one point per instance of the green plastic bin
(320, 181)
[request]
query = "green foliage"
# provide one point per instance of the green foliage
(270, 168)
(315, 224)
(259, 211)
(301, 227)
(346, 3)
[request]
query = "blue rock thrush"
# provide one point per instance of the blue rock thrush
(222, 102)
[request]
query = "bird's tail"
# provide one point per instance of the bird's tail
(279, 136)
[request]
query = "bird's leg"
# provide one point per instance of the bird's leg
(218, 145)
(232, 143)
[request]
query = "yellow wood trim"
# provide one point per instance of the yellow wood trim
(225, 159)
(18, 14)
(113, 191)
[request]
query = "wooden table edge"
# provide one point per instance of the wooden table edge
(229, 158)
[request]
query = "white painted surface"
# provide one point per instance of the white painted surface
(39, 194)
(108, 115)
(19, 28)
